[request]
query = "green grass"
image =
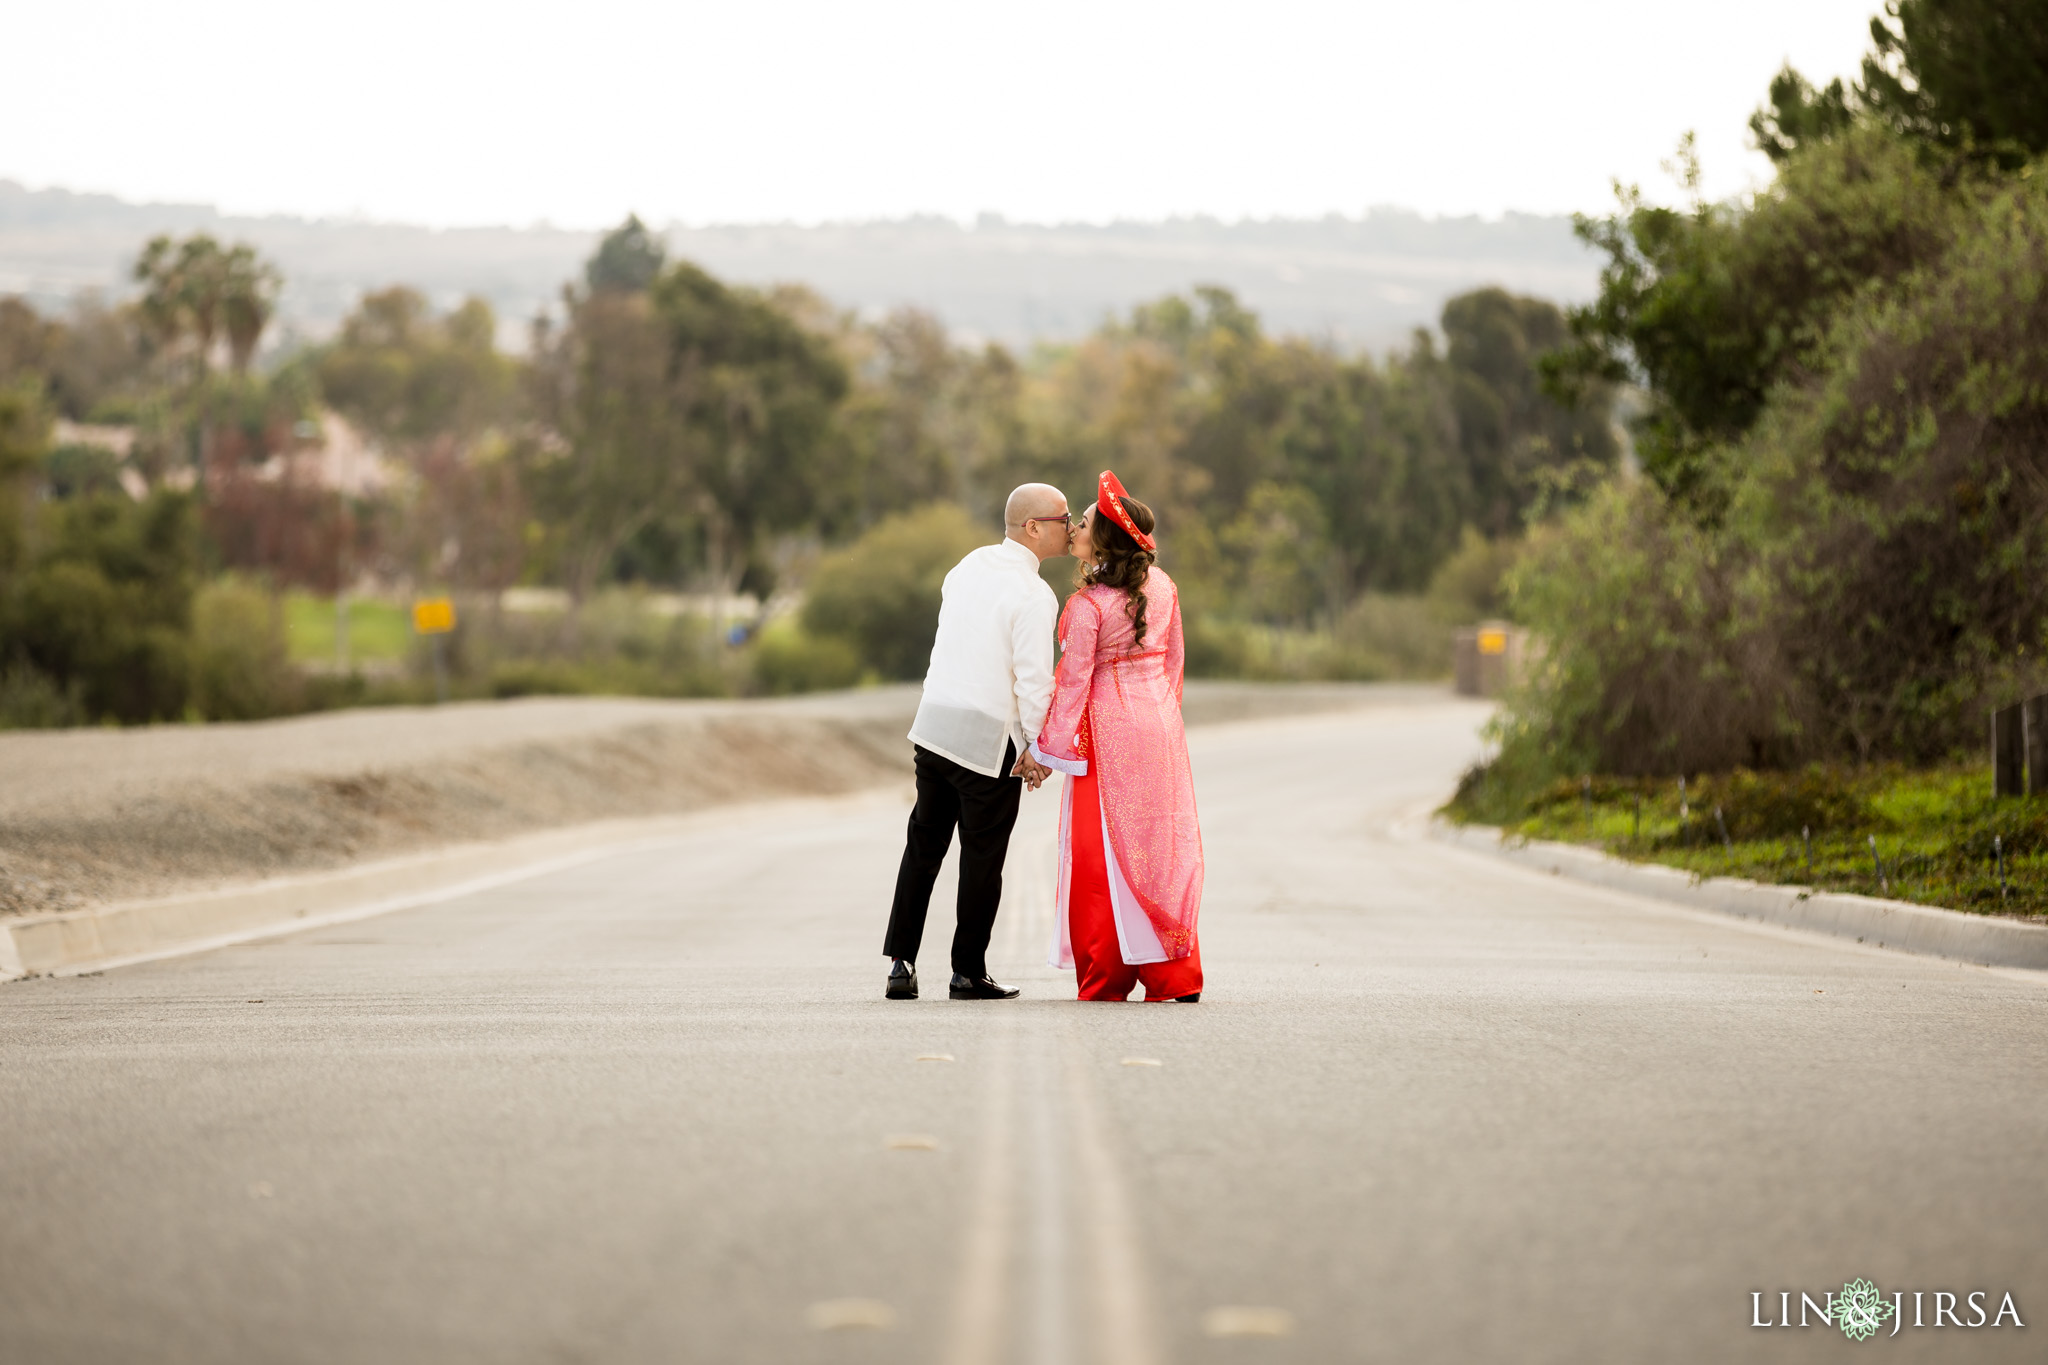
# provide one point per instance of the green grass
(377, 631)
(1933, 829)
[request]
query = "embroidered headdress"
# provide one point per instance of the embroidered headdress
(1109, 501)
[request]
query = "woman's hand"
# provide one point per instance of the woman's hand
(1031, 771)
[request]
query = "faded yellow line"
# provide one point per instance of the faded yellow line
(1127, 1330)
(980, 1307)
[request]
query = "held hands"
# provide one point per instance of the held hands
(1031, 771)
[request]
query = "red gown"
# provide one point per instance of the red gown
(1130, 843)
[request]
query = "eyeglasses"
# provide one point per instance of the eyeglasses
(1065, 519)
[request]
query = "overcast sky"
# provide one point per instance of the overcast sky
(1056, 110)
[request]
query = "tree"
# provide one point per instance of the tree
(758, 394)
(24, 437)
(628, 260)
(1969, 74)
(1279, 544)
(98, 362)
(898, 440)
(1798, 115)
(1518, 441)
(616, 453)
(1377, 447)
(691, 404)
(28, 342)
(410, 378)
(1709, 307)
(432, 390)
(195, 290)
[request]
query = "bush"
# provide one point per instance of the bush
(542, 678)
(1216, 647)
(240, 669)
(1381, 637)
(103, 607)
(1471, 585)
(617, 644)
(880, 595)
(789, 659)
(1658, 654)
(31, 700)
(1386, 636)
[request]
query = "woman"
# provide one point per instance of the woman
(1130, 848)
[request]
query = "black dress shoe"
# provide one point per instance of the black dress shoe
(902, 981)
(1191, 998)
(978, 988)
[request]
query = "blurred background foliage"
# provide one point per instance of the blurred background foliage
(690, 488)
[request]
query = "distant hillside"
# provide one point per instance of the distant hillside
(1357, 281)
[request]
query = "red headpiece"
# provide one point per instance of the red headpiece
(1109, 500)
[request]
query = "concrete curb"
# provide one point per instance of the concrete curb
(1898, 925)
(117, 935)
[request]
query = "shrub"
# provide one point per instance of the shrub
(1471, 585)
(103, 607)
(880, 595)
(240, 668)
(1387, 636)
(1380, 637)
(1216, 647)
(31, 700)
(1658, 652)
(787, 659)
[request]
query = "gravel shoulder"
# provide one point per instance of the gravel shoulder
(93, 816)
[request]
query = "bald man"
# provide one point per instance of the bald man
(985, 697)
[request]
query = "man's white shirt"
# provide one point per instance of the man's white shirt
(990, 679)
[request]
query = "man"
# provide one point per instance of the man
(985, 697)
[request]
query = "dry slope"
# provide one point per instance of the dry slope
(90, 816)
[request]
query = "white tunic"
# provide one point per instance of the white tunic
(990, 679)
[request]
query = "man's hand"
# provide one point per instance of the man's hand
(1031, 771)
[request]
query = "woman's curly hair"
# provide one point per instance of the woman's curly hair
(1123, 564)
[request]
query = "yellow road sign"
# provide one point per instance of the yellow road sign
(1493, 642)
(433, 616)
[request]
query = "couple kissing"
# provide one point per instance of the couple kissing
(1107, 717)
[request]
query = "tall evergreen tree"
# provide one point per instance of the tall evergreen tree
(1963, 73)
(627, 261)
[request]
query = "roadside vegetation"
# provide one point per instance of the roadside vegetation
(1837, 561)
(1933, 835)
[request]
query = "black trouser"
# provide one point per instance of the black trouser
(985, 809)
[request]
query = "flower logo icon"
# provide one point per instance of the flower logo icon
(1860, 1310)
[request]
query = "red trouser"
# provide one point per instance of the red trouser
(1091, 922)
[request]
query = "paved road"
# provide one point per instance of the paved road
(1432, 1108)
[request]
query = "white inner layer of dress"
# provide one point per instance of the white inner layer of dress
(1136, 939)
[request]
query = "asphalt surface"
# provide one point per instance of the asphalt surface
(1432, 1107)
